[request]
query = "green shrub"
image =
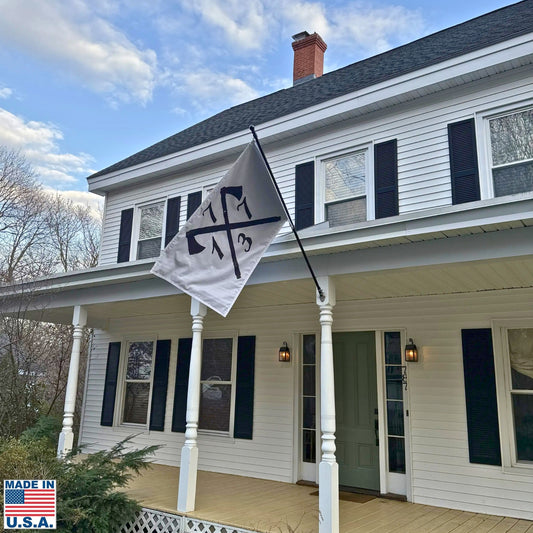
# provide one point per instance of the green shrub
(46, 427)
(88, 499)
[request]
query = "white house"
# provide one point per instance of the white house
(410, 179)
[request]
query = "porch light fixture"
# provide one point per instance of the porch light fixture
(411, 352)
(285, 353)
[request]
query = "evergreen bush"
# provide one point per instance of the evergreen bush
(89, 499)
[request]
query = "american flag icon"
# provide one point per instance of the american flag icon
(30, 502)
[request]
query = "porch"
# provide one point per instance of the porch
(271, 506)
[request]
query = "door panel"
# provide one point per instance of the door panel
(356, 403)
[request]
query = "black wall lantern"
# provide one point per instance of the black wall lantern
(285, 353)
(411, 352)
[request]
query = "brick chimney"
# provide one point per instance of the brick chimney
(308, 56)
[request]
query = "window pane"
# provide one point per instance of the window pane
(346, 212)
(397, 455)
(512, 137)
(309, 380)
(309, 414)
(309, 349)
(521, 357)
(513, 179)
(309, 446)
(149, 248)
(394, 382)
(215, 403)
(393, 348)
(151, 221)
(139, 360)
(345, 177)
(523, 423)
(395, 418)
(136, 402)
(216, 359)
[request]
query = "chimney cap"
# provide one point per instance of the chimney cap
(301, 35)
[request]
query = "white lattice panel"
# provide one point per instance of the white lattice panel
(201, 526)
(151, 521)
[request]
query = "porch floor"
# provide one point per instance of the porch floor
(271, 506)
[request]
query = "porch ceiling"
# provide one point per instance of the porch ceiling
(420, 281)
(465, 277)
(416, 281)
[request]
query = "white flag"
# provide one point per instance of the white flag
(216, 251)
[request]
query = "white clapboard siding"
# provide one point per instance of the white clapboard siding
(441, 472)
(419, 126)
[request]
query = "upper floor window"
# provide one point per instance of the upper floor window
(511, 152)
(346, 188)
(150, 230)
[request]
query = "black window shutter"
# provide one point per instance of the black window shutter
(181, 385)
(304, 192)
(193, 202)
(124, 240)
(172, 224)
(463, 162)
(386, 178)
(110, 384)
(159, 388)
(480, 392)
(244, 391)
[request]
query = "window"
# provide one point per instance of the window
(511, 152)
(217, 388)
(138, 381)
(394, 398)
(345, 190)
(309, 399)
(150, 230)
(520, 391)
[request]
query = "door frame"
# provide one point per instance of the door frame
(389, 482)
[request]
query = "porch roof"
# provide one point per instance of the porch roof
(262, 505)
(486, 246)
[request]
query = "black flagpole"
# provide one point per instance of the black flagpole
(289, 218)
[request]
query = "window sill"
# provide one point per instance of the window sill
(519, 469)
(139, 428)
(206, 434)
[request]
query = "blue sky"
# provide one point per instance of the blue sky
(85, 83)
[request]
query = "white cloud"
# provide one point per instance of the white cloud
(249, 26)
(84, 46)
(39, 143)
(207, 89)
(244, 24)
(5, 92)
(95, 202)
(305, 16)
(374, 29)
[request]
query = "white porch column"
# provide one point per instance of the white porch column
(328, 473)
(66, 437)
(189, 452)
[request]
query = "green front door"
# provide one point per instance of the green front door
(354, 356)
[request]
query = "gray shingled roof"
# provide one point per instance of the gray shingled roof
(492, 28)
